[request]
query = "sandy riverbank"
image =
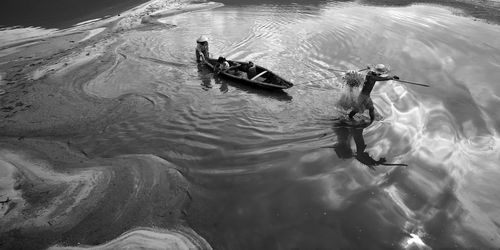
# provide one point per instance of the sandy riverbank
(42, 95)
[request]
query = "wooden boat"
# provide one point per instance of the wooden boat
(264, 78)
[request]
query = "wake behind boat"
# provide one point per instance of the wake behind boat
(263, 79)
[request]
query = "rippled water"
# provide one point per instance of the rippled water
(265, 167)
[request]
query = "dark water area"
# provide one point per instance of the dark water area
(59, 13)
(65, 13)
(276, 170)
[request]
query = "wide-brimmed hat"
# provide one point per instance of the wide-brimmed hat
(380, 69)
(202, 39)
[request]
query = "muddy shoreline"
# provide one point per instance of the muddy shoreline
(43, 104)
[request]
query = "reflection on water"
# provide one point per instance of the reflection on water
(259, 164)
(206, 77)
(345, 132)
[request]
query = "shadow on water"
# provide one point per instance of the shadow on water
(207, 76)
(343, 148)
(59, 13)
(63, 14)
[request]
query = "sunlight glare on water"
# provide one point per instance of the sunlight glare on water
(229, 131)
(266, 168)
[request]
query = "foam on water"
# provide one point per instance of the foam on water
(150, 238)
(67, 193)
(44, 198)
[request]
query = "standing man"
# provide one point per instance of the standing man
(202, 49)
(379, 73)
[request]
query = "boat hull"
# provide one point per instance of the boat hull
(267, 80)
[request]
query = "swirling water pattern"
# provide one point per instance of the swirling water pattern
(260, 165)
(262, 156)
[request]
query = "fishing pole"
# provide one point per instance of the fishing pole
(414, 83)
(395, 164)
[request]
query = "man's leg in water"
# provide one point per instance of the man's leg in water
(372, 114)
(360, 102)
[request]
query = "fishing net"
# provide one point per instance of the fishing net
(353, 78)
(351, 83)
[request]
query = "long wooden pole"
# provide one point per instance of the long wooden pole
(414, 83)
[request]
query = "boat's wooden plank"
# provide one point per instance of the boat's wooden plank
(257, 76)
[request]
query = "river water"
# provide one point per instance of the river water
(267, 170)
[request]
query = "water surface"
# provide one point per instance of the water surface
(266, 168)
(262, 158)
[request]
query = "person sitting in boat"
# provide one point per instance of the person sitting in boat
(224, 66)
(379, 73)
(251, 70)
(202, 49)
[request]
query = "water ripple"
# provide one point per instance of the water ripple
(273, 159)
